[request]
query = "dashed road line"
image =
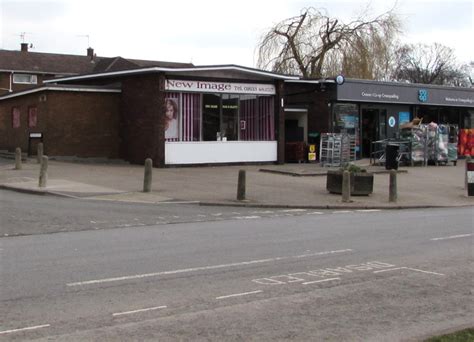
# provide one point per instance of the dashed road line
(239, 294)
(247, 217)
(204, 268)
(293, 210)
(25, 329)
(342, 212)
(139, 311)
(451, 237)
(368, 210)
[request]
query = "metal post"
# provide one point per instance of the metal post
(468, 160)
(241, 186)
(392, 196)
(346, 186)
(18, 165)
(43, 177)
(148, 175)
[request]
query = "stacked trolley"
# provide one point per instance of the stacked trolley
(336, 149)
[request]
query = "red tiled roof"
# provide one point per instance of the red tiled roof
(51, 63)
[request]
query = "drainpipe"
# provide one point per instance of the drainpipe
(11, 82)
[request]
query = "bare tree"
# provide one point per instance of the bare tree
(429, 64)
(314, 44)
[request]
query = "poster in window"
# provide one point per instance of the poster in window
(15, 117)
(32, 117)
(171, 118)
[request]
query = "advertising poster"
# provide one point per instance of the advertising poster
(171, 118)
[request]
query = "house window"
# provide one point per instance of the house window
(25, 79)
(15, 117)
(32, 117)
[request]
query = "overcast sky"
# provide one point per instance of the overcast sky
(207, 31)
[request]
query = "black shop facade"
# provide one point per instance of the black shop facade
(370, 110)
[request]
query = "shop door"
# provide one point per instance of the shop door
(374, 128)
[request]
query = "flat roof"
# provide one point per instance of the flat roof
(190, 70)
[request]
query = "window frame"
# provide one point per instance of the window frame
(33, 79)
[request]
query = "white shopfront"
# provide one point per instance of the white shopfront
(219, 122)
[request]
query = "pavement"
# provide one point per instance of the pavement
(288, 185)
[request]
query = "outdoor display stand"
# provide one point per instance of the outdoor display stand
(433, 143)
(336, 149)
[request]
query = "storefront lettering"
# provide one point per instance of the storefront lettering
(220, 87)
(458, 99)
(381, 96)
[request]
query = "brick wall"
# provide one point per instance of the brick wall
(142, 124)
(82, 124)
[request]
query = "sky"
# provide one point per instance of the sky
(208, 32)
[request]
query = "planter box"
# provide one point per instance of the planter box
(362, 183)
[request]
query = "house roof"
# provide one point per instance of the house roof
(51, 63)
(69, 88)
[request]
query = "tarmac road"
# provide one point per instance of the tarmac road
(339, 275)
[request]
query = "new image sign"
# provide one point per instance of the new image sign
(220, 87)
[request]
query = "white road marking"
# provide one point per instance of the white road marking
(138, 311)
(24, 329)
(204, 268)
(315, 213)
(293, 210)
(320, 281)
(390, 269)
(368, 210)
(201, 215)
(262, 212)
(451, 237)
(422, 271)
(409, 268)
(342, 212)
(239, 294)
(246, 217)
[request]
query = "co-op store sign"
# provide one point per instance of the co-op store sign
(220, 87)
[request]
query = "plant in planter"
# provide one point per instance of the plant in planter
(362, 182)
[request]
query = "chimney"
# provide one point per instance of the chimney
(90, 53)
(24, 47)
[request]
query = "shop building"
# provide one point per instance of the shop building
(372, 110)
(182, 116)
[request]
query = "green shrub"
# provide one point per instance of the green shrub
(352, 168)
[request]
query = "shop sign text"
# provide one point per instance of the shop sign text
(220, 87)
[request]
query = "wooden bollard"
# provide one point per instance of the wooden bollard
(43, 176)
(346, 186)
(241, 186)
(39, 154)
(148, 175)
(392, 189)
(18, 165)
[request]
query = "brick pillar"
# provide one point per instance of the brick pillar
(159, 125)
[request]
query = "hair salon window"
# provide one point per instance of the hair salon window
(212, 117)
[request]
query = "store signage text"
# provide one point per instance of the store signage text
(380, 95)
(220, 87)
(459, 100)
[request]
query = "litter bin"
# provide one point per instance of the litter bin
(391, 154)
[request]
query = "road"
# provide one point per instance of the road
(342, 276)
